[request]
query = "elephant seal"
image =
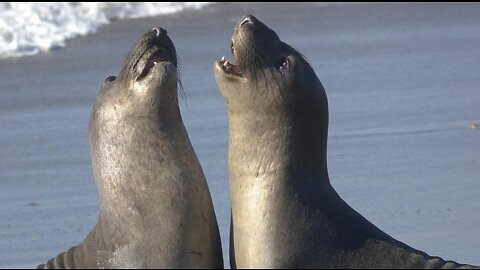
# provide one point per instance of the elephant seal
(155, 206)
(285, 213)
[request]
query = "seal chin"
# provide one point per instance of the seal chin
(157, 71)
(146, 69)
(161, 55)
(160, 78)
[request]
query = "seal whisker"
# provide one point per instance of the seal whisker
(183, 94)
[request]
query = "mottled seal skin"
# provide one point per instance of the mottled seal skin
(155, 206)
(285, 213)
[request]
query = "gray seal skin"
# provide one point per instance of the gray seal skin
(285, 213)
(155, 206)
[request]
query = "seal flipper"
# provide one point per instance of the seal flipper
(233, 264)
(63, 260)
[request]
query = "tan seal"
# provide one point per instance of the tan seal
(285, 213)
(155, 206)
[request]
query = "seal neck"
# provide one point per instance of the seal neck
(277, 164)
(280, 145)
(134, 147)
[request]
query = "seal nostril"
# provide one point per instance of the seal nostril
(158, 31)
(246, 20)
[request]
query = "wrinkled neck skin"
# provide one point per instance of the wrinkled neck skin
(141, 153)
(155, 205)
(277, 164)
(285, 213)
(279, 141)
(124, 129)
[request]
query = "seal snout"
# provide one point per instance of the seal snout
(159, 31)
(155, 47)
(246, 20)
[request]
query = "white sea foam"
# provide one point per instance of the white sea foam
(29, 28)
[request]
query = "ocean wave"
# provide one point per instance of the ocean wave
(29, 28)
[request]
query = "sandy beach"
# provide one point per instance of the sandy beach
(403, 84)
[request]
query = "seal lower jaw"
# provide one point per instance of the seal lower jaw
(148, 66)
(159, 81)
(229, 69)
(159, 54)
(158, 70)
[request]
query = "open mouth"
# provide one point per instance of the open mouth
(230, 68)
(159, 54)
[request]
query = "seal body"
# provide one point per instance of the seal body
(155, 206)
(285, 213)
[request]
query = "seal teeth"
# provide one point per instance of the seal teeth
(224, 58)
(225, 64)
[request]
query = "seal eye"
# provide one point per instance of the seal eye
(110, 79)
(285, 64)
